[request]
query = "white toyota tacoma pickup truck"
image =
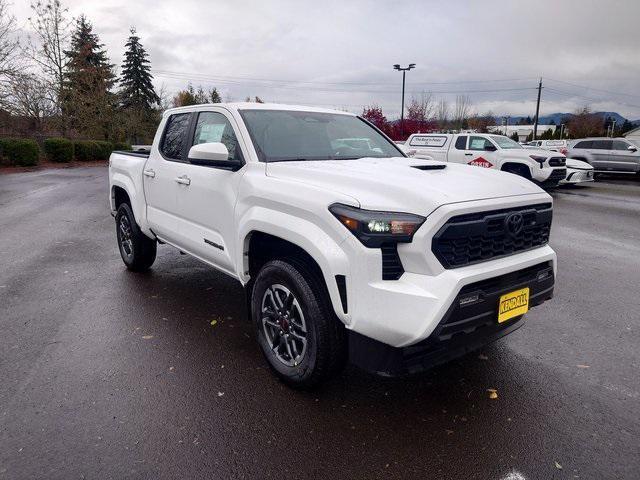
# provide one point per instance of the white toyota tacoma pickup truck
(348, 250)
(490, 151)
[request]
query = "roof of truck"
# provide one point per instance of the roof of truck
(258, 106)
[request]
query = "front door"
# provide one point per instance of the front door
(206, 204)
(477, 155)
(624, 159)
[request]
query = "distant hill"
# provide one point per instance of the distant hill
(559, 118)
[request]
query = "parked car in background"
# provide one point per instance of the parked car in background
(347, 249)
(606, 154)
(491, 151)
(578, 172)
(552, 145)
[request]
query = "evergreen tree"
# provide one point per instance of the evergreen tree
(88, 84)
(136, 80)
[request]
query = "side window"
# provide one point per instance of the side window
(174, 137)
(478, 143)
(602, 144)
(586, 144)
(620, 145)
(461, 143)
(214, 127)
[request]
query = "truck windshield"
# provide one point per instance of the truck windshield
(284, 135)
(505, 142)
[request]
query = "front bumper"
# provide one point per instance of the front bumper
(575, 176)
(556, 176)
(465, 326)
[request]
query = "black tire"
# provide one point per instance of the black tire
(138, 251)
(326, 345)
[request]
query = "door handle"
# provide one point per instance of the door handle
(468, 154)
(183, 180)
(149, 173)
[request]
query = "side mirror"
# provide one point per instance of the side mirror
(213, 154)
(631, 148)
(490, 148)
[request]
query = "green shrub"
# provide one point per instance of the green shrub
(20, 152)
(103, 150)
(92, 150)
(84, 150)
(122, 146)
(59, 150)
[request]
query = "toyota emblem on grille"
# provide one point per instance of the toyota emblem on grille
(513, 224)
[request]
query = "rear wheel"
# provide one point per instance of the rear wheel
(138, 251)
(298, 332)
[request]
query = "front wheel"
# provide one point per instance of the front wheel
(138, 251)
(298, 332)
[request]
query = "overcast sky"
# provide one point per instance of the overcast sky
(340, 54)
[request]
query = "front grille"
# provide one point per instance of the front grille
(479, 237)
(556, 175)
(557, 162)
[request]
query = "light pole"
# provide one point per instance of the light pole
(404, 71)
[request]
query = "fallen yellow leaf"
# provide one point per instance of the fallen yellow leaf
(493, 393)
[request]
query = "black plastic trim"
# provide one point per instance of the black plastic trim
(341, 282)
(392, 268)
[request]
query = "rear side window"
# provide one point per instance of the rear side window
(585, 144)
(175, 134)
(214, 127)
(602, 144)
(461, 143)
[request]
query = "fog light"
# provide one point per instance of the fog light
(543, 275)
(469, 299)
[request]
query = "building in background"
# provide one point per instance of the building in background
(523, 131)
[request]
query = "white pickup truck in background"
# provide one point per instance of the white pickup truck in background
(346, 247)
(490, 151)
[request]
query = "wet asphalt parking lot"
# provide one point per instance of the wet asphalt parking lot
(106, 374)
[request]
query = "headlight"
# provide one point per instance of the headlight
(375, 228)
(538, 158)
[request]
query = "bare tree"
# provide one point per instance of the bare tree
(420, 110)
(28, 97)
(442, 113)
(52, 29)
(8, 47)
(584, 123)
(461, 110)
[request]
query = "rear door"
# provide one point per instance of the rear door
(164, 166)
(458, 149)
(602, 155)
(624, 159)
(206, 203)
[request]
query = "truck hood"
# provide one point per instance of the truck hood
(395, 184)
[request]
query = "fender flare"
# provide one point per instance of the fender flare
(320, 246)
(137, 204)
